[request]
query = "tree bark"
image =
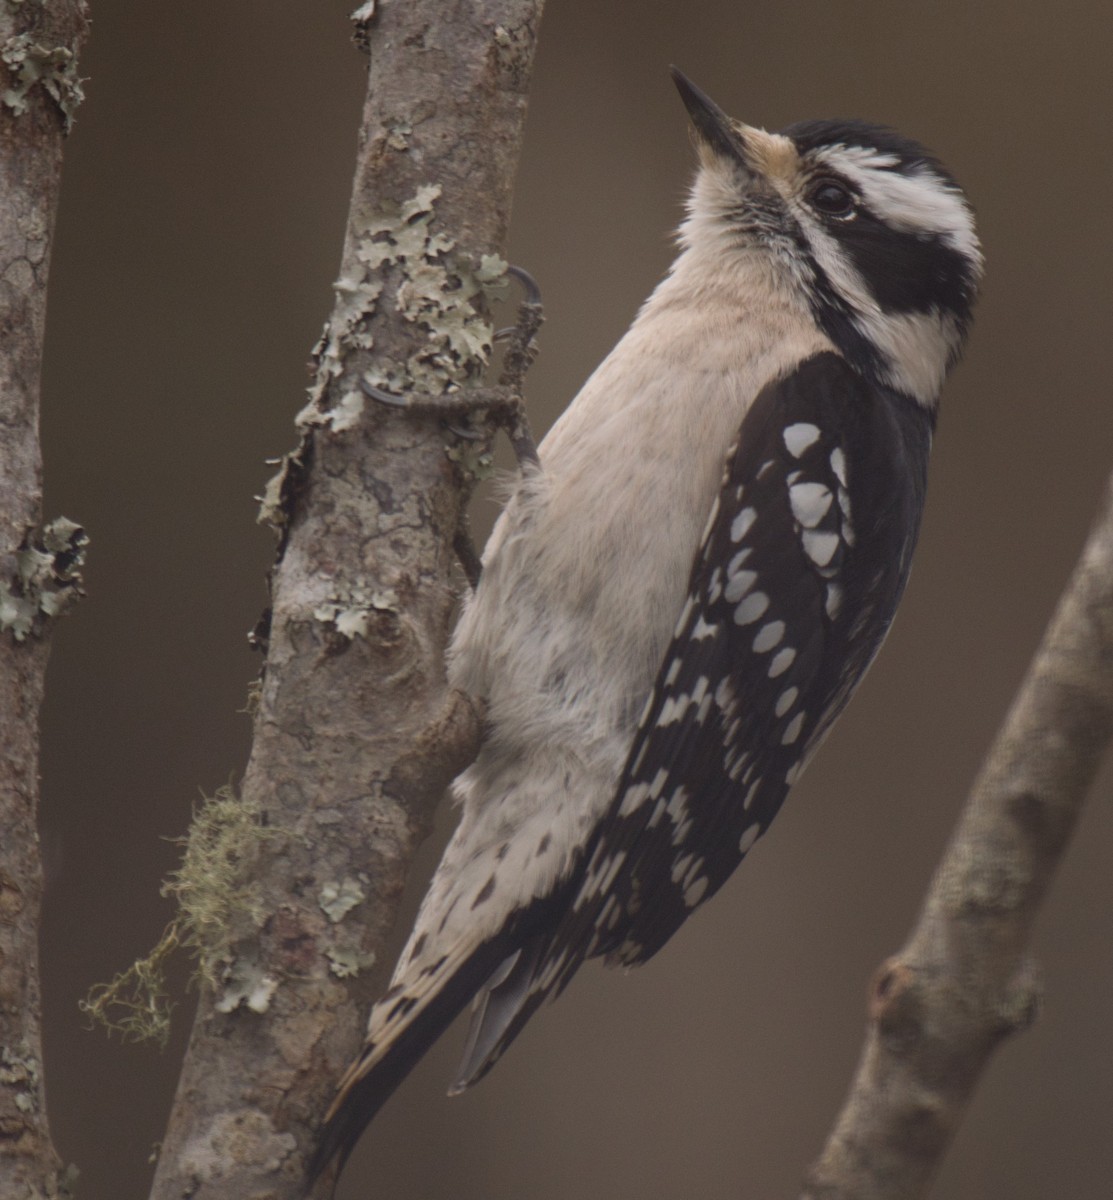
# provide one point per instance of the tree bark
(940, 1007)
(39, 90)
(356, 735)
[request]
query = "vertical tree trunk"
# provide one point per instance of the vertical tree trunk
(39, 90)
(356, 735)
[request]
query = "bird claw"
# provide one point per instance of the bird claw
(377, 393)
(469, 435)
(532, 300)
(529, 285)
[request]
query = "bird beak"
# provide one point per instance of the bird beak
(713, 125)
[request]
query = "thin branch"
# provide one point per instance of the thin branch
(940, 1007)
(39, 91)
(356, 734)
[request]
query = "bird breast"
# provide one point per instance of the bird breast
(586, 571)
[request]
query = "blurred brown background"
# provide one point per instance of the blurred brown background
(205, 192)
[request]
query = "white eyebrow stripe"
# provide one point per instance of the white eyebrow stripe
(919, 202)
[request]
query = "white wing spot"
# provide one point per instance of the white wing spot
(692, 872)
(819, 546)
(847, 524)
(751, 608)
(782, 660)
(552, 970)
(793, 731)
(738, 585)
(737, 561)
(834, 600)
(786, 700)
(702, 630)
(694, 892)
(745, 843)
(612, 870)
(740, 526)
(634, 798)
(751, 793)
(768, 636)
(674, 670)
(810, 502)
(838, 464)
(799, 437)
(715, 585)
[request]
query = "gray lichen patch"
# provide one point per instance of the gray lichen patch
(225, 1149)
(346, 962)
(246, 984)
(474, 459)
(350, 615)
(19, 1070)
(276, 504)
(430, 287)
(54, 68)
(362, 19)
(47, 580)
(337, 899)
(346, 413)
(403, 261)
(399, 136)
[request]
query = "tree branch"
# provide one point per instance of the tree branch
(39, 91)
(356, 735)
(963, 982)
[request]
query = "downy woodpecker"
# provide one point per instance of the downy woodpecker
(679, 601)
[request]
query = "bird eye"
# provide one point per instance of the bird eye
(832, 199)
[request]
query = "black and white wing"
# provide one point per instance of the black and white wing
(801, 566)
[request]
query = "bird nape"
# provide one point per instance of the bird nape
(680, 599)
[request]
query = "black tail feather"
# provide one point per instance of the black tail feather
(358, 1101)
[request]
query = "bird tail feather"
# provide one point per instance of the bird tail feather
(404, 1023)
(495, 1020)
